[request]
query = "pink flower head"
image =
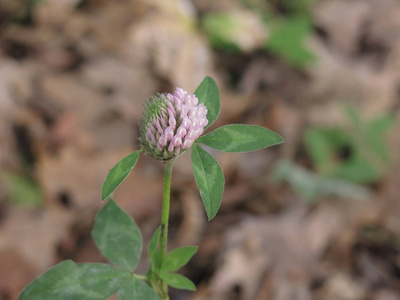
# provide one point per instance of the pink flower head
(171, 123)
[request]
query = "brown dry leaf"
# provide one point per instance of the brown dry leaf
(100, 119)
(368, 80)
(15, 86)
(386, 295)
(54, 12)
(15, 273)
(38, 232)
(194, 220)
(10, 7)
(167, 42)
(385, 23)
(233, 107)
(109, 23)
(15, 90)
(73, 178)
(343, 22)
(342, 286)
(140, 195)
(120, 83)
(288, 247)
(337, 80)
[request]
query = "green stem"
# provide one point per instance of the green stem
(165, 217)
(138, 276)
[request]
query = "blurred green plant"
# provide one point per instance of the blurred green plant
(356, 152)
(23, 11)
(287, 40)
(21, 190)
(34, 2)
(344, 157)
(282, 31)
(222, 30)
(310, 187)
(298, 7)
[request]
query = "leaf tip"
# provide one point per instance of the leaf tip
(209, 78)
(106, 194)
(103, 196)
(280, 139)
(211, 216)
(192, 288)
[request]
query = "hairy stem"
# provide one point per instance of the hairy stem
(165, 217)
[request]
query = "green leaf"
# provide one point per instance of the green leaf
(118, 174)
(178, 258)
(102, 278)
(21, 190)
(178, 281)
(322, 145)
(223, 30)
(117, 236)
(153, 250)
(299, 7)
(287, 40)
(209, 179)
(353, 115)
(207, 92)
(358, 170)
(240, 138)
(36, 2)
(375, 134)
(310, 187)
(69, 281)
(326, 146)
(137, 289)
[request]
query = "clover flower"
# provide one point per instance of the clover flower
(171, 123)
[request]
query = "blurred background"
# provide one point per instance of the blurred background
(315, 218)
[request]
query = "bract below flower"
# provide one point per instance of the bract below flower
(171, 123)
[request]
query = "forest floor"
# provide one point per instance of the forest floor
(317, 217)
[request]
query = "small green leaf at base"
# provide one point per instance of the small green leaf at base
(209, 179)
(178, 281)
(136, 289)
(178, 258)
(153, 250)
(240, 138)
(207, 93)
(70, 281)
(118, 174)
(117, 236)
